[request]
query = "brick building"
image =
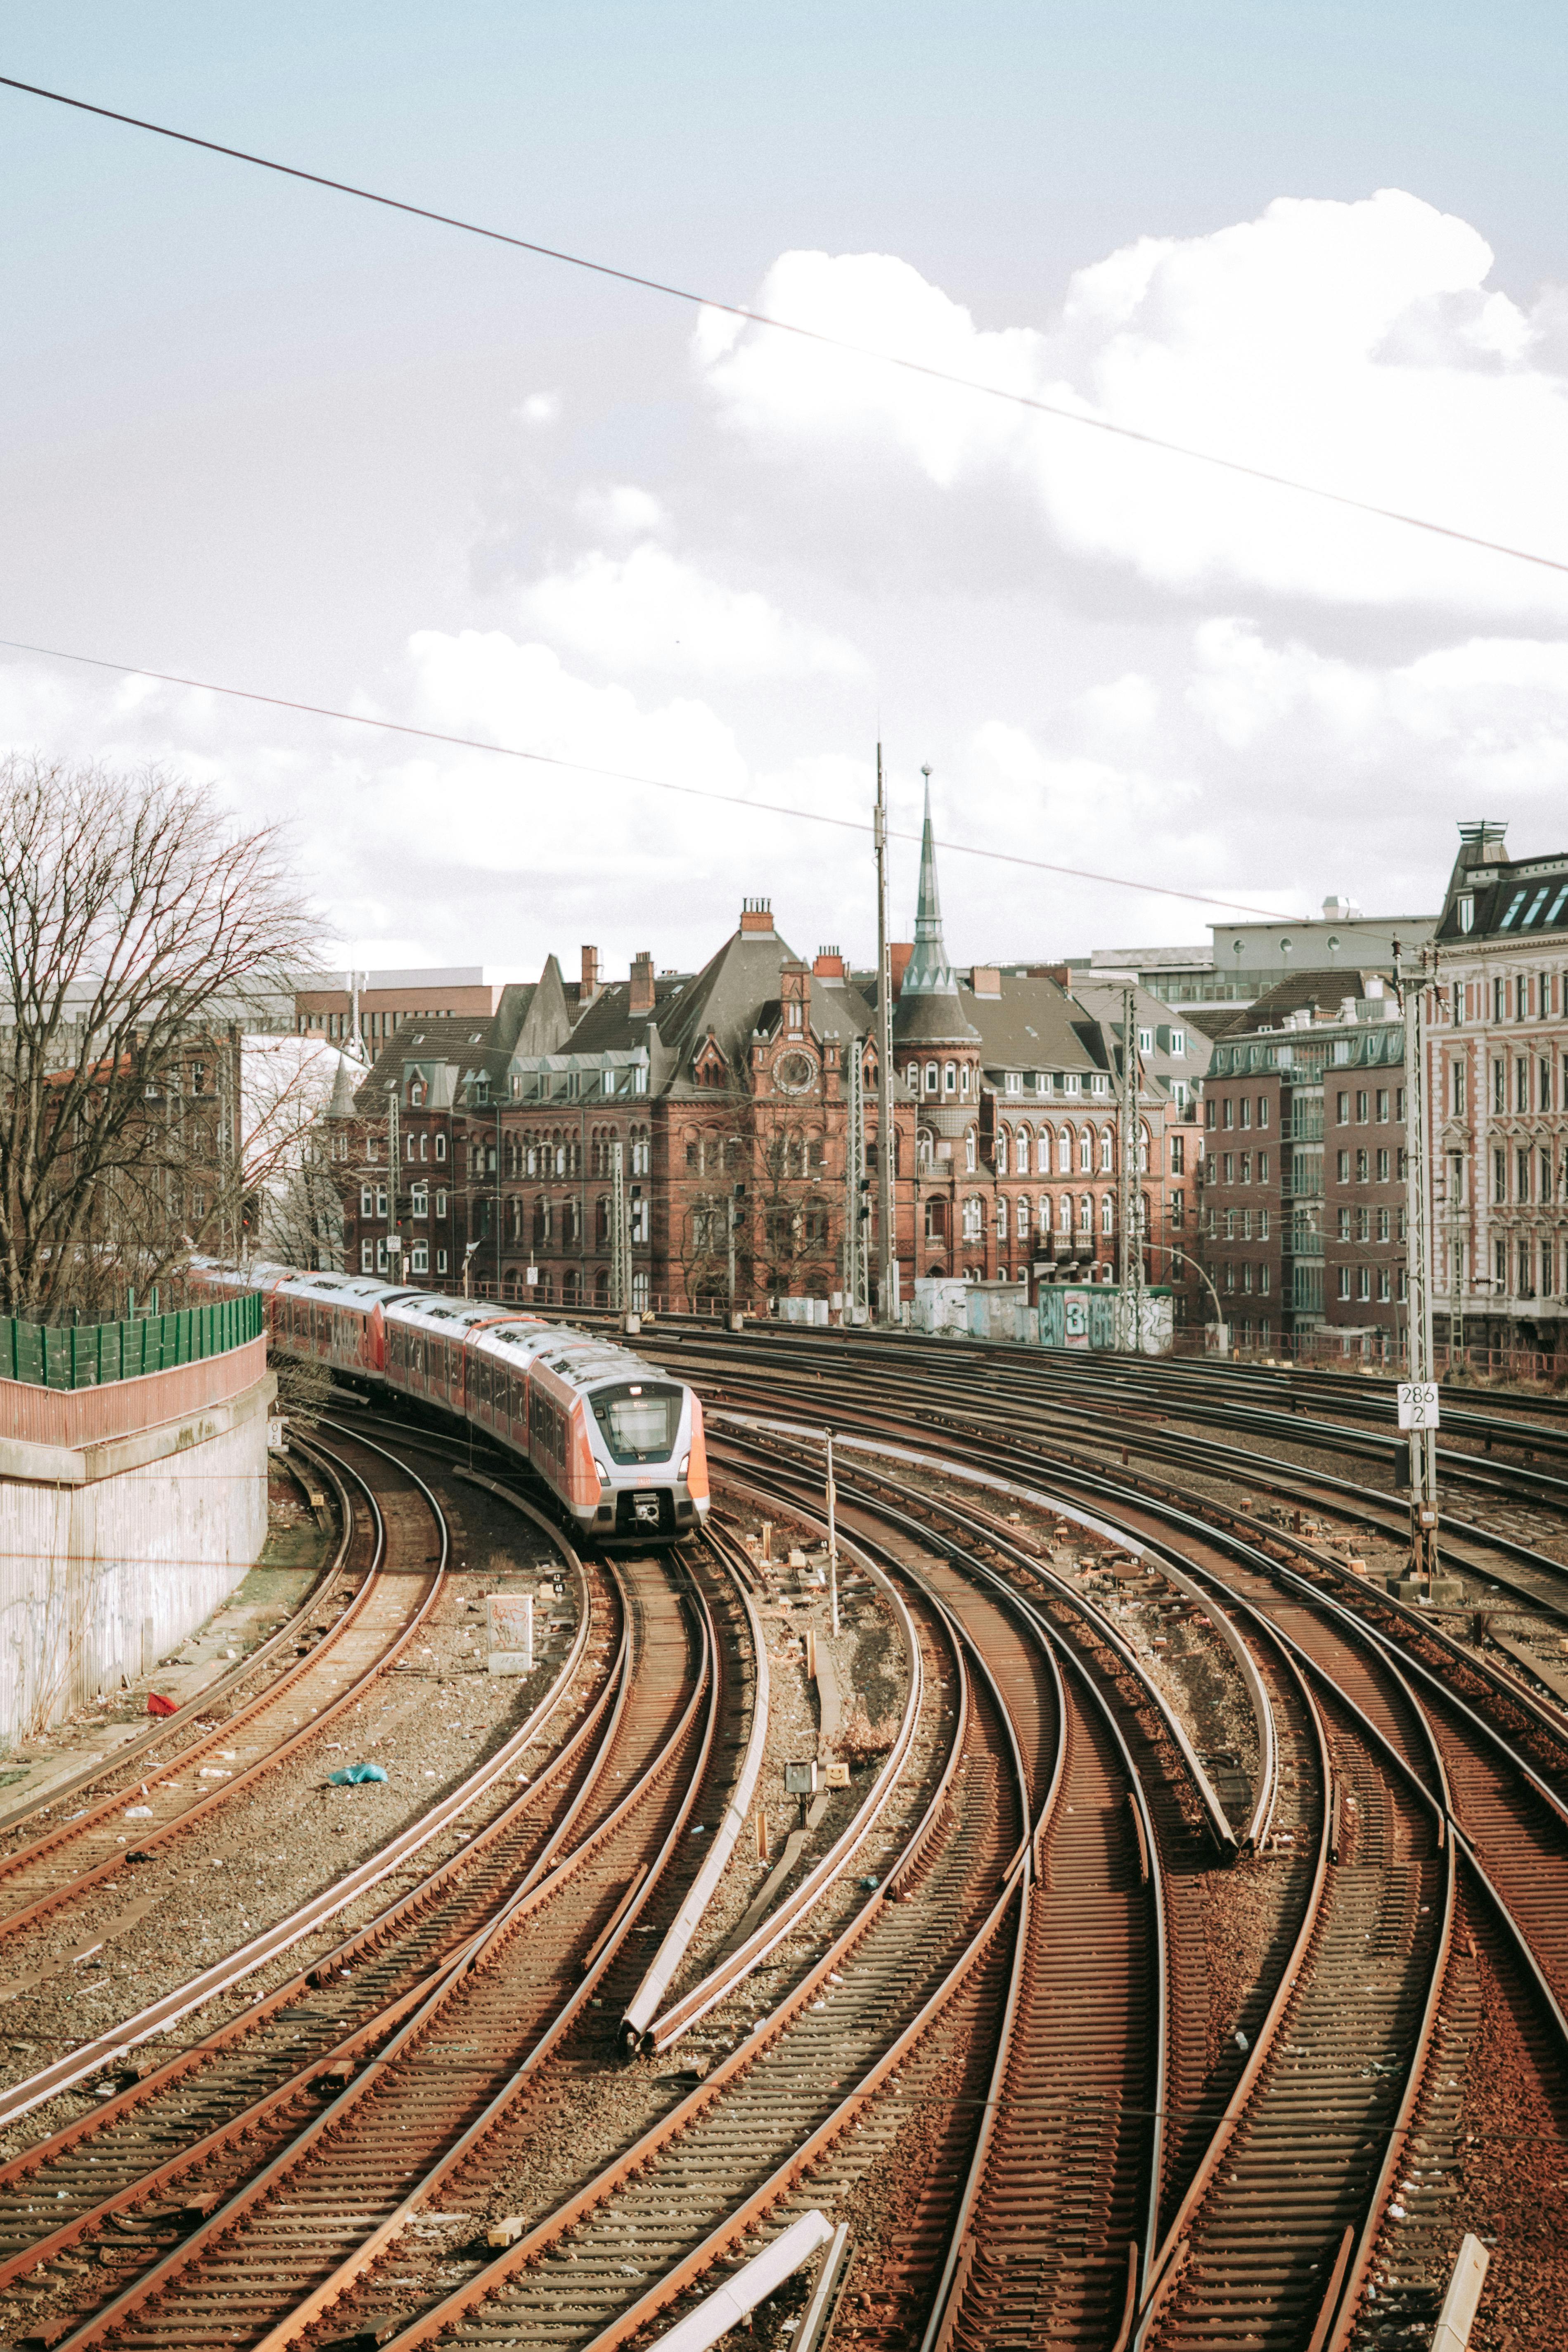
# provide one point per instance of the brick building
(726, 1090)
(1303, 1200)
(1497, 1087)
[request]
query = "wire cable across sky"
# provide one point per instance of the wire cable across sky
(1055, 409)
(624, 776)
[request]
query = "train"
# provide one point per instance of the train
(617, 1443)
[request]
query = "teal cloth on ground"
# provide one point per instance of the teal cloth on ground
(354, 1774)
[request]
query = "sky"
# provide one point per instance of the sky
(259, 433)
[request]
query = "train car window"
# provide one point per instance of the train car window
(639, 1420)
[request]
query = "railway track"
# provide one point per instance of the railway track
(395, 1523)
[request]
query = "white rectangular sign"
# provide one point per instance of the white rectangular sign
(1418, 1404)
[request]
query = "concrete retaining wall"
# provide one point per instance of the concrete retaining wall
(114, 1549)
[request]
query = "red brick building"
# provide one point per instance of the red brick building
(727, 1092)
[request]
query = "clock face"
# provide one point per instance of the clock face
(795, 1072)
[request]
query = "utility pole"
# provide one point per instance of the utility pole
(855, 1268)
(832, 1531)
(1129, 1194)
(1418, 1413)
(620, 1232)
(353, 1015)
(394, 1146)
(887, 1240)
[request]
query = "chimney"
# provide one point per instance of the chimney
(899, 952)
(986, 980)
(642, 984)
(756, 915)
(593, 976)
(829, 964)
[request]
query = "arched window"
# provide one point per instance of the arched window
(1085, 1213)
(1143, 1151)
(1022, 1140)
(602, 1222)
(1064, 1152)
(1105, 1152)
(541, 1223)
(1108, 1213)
(1001, 1216)
(950, 1078)
(963, 1077)
(925, 1146)
(936, 1218)
(932, 1077)
(1064, 1214)
(969, 1159)
(973, 1219)
(1085, 1153)
(1003, 1140)
(1022, 1213)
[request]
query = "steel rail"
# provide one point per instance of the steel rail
(731, 1969)
(1097, 1480)
(878, 1915)
(1048, 1638)
(523, 1904)
(80, 1826)
(116, 2042)
(1371, 1505)
(674, 1945)
(171, 1727)
(409, 1912)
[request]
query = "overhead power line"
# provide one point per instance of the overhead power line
(623, 776)
(794, 327)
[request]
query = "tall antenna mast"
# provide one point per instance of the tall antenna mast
(887, 1250)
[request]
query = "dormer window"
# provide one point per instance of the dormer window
(416, 1094)
(1468, 912)
(1013, 1082)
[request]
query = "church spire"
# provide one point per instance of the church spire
(930, 980)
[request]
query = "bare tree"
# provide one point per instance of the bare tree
(138, 928)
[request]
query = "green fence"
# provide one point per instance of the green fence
(83, 1355)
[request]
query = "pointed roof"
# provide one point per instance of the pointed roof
(342, 1103)
(928, 1011)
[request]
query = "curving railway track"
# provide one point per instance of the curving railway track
(1133, 2001)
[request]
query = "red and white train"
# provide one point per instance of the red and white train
(618, 1444)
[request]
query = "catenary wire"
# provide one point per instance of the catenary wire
(623, 776)
(1030, 401)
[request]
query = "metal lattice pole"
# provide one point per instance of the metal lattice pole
(887, 1240)
(855, 1268)
(620, 1232)
(1418, 1274)
(1128, 1194)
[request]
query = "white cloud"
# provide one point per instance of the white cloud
(540, 409)
(650, 611)
(1355, 346)
(622, 511)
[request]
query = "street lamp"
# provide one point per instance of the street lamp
(1171, 1250)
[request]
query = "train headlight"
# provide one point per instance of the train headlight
(604, 1473)
(685, 1464)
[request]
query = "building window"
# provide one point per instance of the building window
(1002, 1140)
(974, 1215)
(1383, 1167)
(1385, 1287)
(1382, 1102)
(1521, 1170)
(1085, 1213)
(1105, 1152)
(367, 1201)
(367, 1257)
(950, 1078)
(440, 1261)
(1363, 1165)
(1500, 1086)
(1014, 1082)
(932, 1077)
(1085, 1152)
(440, 1203)
(1178, 1208)
(1001, 1216)
(1178, 1155)
(1245, 1108)
(1499, 1173)
(1342, 1110)
(1247, 1167)
(419, 1200)
(969, 1160)
(963, 1078)
(1344, 1278)
(639, 1217)
(1227, 1112)
(419, 1258)
(1342, 1167)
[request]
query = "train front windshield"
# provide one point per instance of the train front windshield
(640, 1420)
